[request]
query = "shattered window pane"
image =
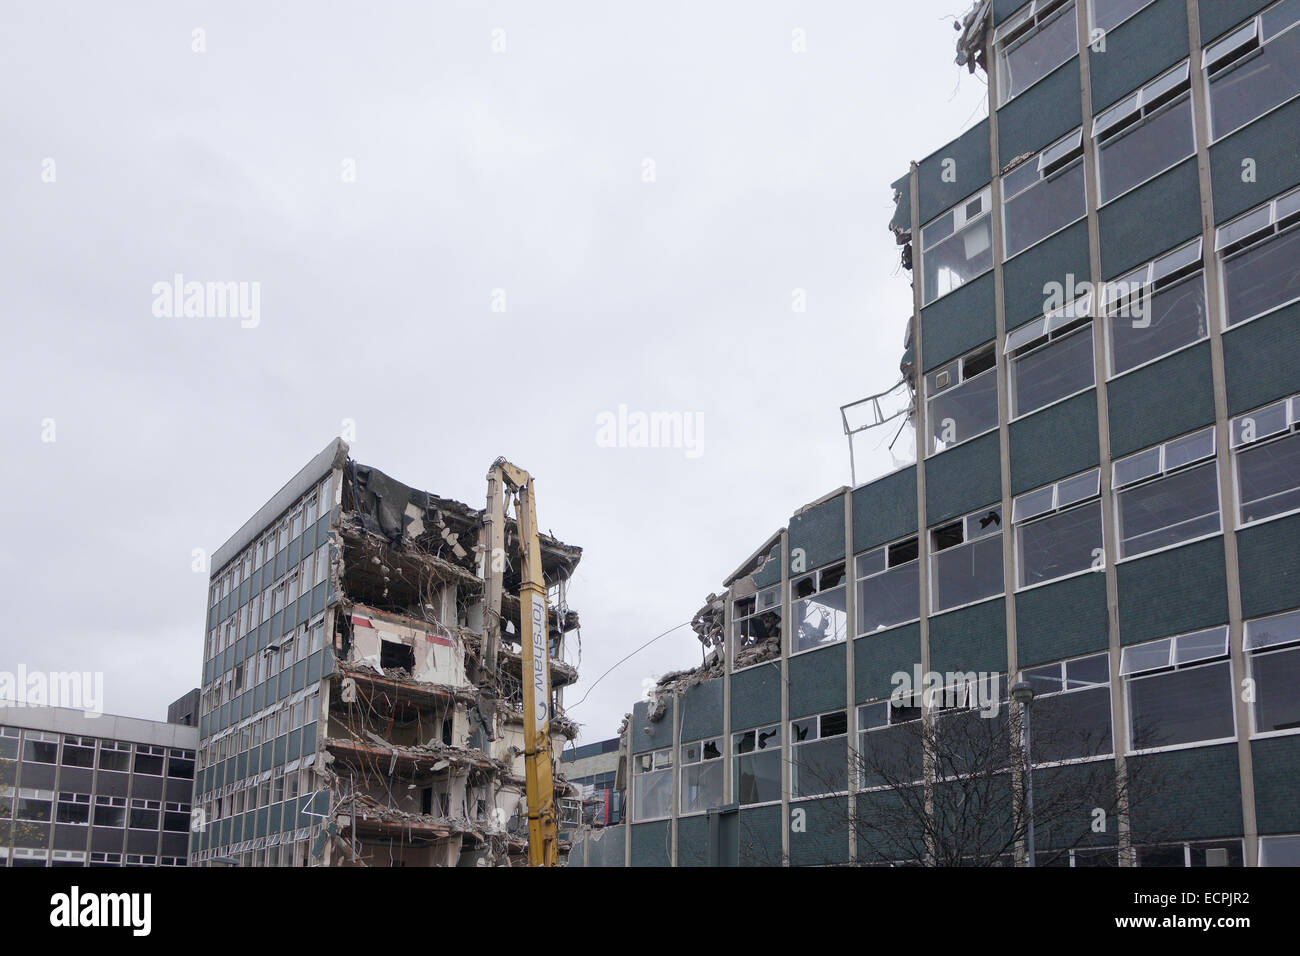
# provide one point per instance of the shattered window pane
(963, 573)
(820, 620)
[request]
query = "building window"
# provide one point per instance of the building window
(73, 808)
(1106, 15)
(110, 811)
(957, 247)
(1179, 690)
(78, 751)
(1157, 309)
(652, 785)
(1252, 69)
(1260, 255)
(1071, 709)
(757, 618)
(889, 585)
(8, 743)
(817, 603)
(962, 399)
(1051, 358)
(1272, 646)
(1279, 850)
(966, 560)
(145, 814)
(757, 765)
(889, 751)
(1267, 447)
(114, 755)
(701, 775)
(1202, 853)
(1058, 530)
(1033, 43)
(1043, 195)
(39, 747)
(1167, 495)
(34, 806)
(819, 754)
(1145, 134)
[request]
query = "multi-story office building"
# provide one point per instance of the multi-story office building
(84, 789)
(594, 770)
(348, 715)
(1106, 502)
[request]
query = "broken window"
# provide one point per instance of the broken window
(1058, 529)
(889, 752)
(756, 619)
(1106, 15)
(957, 247)
(74, 808)
(1145, 134)
(889, 586)
(819, 754)
(652, 785)
(962, 399)
(701, 785)
(1179, 690)
(1043, 195)
(1267, 444)
(966, 560)
(1032, 43)
(1260, 253)
(393, 654)
(1071, 709)
(756, 770)
(1157, 309)
(1167, 495)
(1272, 646)
(817, 603)
(1253, 69)
(1051, 357)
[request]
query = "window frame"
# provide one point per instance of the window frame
(1065, 690)
(764, 748)
(1291, 430)
(656, 768)
(1042, 13)
(1290, 644)
(1092, 19)
(797, 745)
(720, 758)
(1284, 207)
(1048, 330)
(959, 211)
(1055, 509)
(859, 578)
(1178, 268)
(842, 584)
(1060, 160)
(1122, 124)
(959, 362)
(1127, 677)
(1164, 471)
(1230, 59)
(967, 540)
(777, 607)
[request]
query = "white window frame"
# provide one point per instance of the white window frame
(1065, 690)
(860, 730)
(796, 746)
(1254, 647)
(1050, 162)
(1251, 230)
(1092, 19)
(1180, 264)
(1219, 59)
(1293, 838)
(959, 365)
(842, 584)
(686, 764)
(886, 551)
(1165, 469)
(772, 744)
(1042, 333)
(766, 600)
(963, 218)
(1128, 674)
(661, 762)
(1040, 13)
(1062, 499)
(1288, 410)
(1148, 102)
(968, 538)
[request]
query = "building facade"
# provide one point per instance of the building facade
(595, 770)
(84, 789)
(1106, 502)
(347, 716)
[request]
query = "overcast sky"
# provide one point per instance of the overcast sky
(642, 186)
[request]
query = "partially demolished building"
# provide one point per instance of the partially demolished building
(1100, 371)
(347, 717)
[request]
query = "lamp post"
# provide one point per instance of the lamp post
(1022, 692)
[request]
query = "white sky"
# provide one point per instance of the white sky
(520, 171)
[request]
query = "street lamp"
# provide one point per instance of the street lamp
(1022, 692)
